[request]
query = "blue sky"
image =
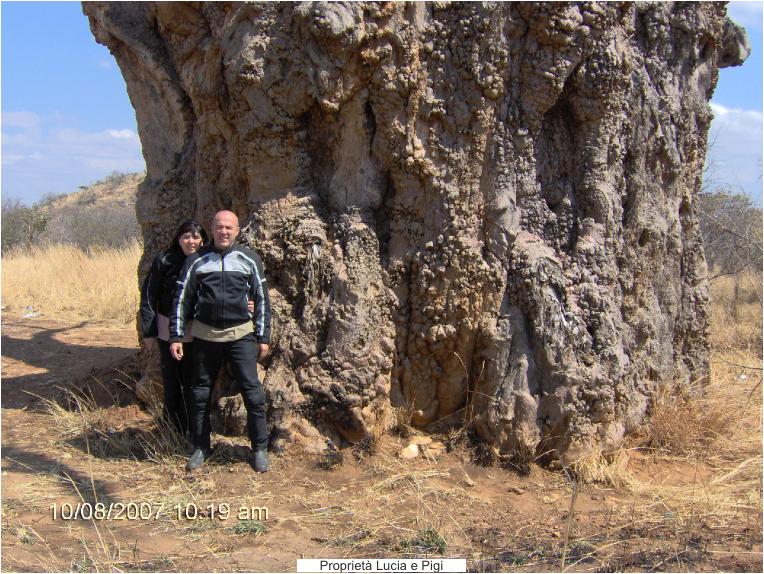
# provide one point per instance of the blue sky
(67, 121)
(66, 118)
(735, 152)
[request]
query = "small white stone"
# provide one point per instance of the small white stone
(410, 452)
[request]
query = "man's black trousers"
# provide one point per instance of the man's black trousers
(241, 356)
(176, 381)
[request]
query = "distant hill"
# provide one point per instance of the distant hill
(117, 190)
(99, 215)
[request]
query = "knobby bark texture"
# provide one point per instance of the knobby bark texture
(479, 212)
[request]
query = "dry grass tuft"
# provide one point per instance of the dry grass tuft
(402, 420)
(604, 468)
(684, 421)
(63, 281)
(736, 313)
(426, 541)
(85, 424)
(714, 428)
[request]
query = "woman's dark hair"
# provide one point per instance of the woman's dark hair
(185, 227)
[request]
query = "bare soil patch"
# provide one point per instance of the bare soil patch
(377, 505)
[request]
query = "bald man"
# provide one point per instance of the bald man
(214, 288)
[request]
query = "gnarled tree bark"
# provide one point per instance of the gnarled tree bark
(490, 203)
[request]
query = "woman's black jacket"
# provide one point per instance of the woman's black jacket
(158, 290)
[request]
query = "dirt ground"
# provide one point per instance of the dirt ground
(371, 505)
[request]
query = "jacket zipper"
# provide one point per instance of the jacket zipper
(222, 294)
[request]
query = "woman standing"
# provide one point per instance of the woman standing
(157, 296)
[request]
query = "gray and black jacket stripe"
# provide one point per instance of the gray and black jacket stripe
(214, 287)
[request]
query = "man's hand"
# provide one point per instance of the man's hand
(176, 350)
(264, 349)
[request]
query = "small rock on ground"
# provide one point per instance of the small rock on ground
(410, 452)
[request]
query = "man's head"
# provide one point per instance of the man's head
(225, 229)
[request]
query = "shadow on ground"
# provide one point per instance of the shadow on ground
(103, 372)
(82, 485)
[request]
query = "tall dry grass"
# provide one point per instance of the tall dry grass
(705, 439)
(63, 281)
(736, 314)
(714, 425)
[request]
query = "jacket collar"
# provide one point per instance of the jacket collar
(217, 249)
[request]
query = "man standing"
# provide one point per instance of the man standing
(214, 287)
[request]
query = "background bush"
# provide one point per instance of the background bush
(80, 223)
(21, 225)
(732, 232)
(85, 228)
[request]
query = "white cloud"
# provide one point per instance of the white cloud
(749, 120)
(718, 109)
(23, 120)
(105, 64)
(747, 14)
(734, 155)
(39, 158)
(122, 134)
(13, 158)
(9, 159)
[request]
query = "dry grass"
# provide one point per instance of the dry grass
(718, 437)
(63, 281)
(96, 429)
(685, 421)
(703, 443)
(714, 427)
(735, 313)
(721, 416)
(602, 468)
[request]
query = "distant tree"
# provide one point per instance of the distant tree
(732, 236)
(732, 232)
(82, 226)
(21, 225)
(49, 199)
(77, 223)
(113, 180)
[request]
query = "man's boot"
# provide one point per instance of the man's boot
(197, 459)
(260, 460)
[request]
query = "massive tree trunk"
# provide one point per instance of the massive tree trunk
(488, 205)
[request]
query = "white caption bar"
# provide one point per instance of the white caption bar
(382, 565)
